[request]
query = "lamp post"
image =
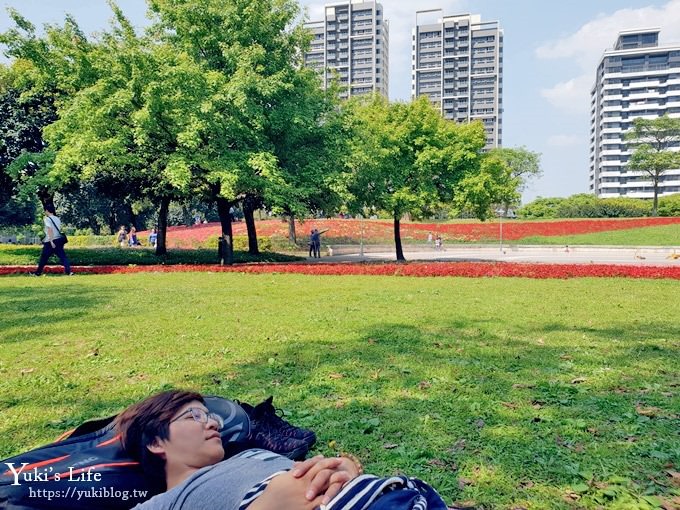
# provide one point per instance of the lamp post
(361, 243)
(500, 215)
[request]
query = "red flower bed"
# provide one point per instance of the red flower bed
(464, 269)
(381, 231)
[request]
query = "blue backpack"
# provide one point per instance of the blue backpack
(87, 468)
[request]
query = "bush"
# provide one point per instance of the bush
(669, 205)
(584, 205)
(88, 240)
(240, 243)
(545, 208)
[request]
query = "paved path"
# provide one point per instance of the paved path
(643, 256)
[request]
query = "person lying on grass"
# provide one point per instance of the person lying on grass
(177, 442)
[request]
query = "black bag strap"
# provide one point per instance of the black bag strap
(55, 225)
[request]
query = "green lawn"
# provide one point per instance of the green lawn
(97, 256)
(512, 393)
(666, 235)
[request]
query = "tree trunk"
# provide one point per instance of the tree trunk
(133, 216)
(292, 237)
(249, 205)
(655, 204)
(112, 219)
(227, 255)
(397, 239)
(161, 246)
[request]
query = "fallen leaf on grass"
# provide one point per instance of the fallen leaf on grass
(523, 386)
(458, 446)
(540, 341)
(566, 357)
(335, 376)
(525, 484)
(389, 446)
(463, 482)
(578, 380)
(27, 371)
(463, 505)
(650, 412)
(570, 497)
(675, 477)
(422, 385)
(443, 464)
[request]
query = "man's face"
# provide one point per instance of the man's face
(190, 442)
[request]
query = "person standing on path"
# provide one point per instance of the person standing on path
(53, 242)
(316, 243)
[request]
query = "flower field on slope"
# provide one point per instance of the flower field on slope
(379, 231)
(461, 269)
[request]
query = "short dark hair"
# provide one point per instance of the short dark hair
(50, 209)
(144, 423)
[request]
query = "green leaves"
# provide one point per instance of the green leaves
(405, 158)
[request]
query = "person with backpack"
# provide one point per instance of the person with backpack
(53, 243)
(176, 439)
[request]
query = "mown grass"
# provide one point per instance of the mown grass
(665, 235)
(97, 256)
(509, 393)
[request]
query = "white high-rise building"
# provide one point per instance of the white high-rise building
(351, 44)
(457, 61)
(637, 78)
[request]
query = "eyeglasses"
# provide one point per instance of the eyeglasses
(202, 416)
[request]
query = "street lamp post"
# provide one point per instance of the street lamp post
(501, 229)
(361, 245)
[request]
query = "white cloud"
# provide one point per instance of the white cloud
(571, 96)
(586, 46)
(564, 140)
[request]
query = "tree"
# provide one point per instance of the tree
(524, 165)
(654, 140)
(145, 122)
(405, 158)
(482, 190)
(45, 72)
(307, 131)
(257, 47)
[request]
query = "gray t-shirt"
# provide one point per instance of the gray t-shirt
(222, 485)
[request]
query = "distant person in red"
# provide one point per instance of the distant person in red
(53, 243)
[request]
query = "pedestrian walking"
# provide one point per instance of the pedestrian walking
(53, 243)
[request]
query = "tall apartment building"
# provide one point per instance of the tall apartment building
(351, 44)
(457, 61)
(637, 78)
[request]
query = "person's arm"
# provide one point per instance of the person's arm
(285, 492)
(328, 475)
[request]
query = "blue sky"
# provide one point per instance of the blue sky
(550, 53)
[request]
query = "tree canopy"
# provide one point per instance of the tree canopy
(655, 142)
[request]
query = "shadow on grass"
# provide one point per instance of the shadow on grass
(452, 400)
(470, 403)
(28, 312)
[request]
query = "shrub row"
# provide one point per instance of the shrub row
(589, 206)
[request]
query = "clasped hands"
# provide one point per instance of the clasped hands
(308, 485)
